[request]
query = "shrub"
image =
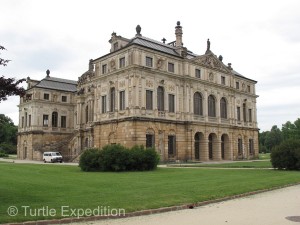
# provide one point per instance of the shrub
(8, 148)
(114, 158)
(143, 159)
(286, 155)
(119, 158)
(3, 154)
(89, 160)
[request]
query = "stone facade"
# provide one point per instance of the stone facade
(187, 106)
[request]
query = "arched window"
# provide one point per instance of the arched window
(54, 119)
(198, 109)
(112, 99)
(223, 108)
(211, 106)
(160, 99)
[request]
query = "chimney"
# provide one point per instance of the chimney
(178, 33)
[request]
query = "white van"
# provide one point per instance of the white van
(52, 157)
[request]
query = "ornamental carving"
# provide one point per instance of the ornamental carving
(211, 62)
(122, 83)
(211, 76)
(171, 87)
(149, 83)
(159, 63)
(113, 64)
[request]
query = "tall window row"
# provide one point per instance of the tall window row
(54, 120)
(246, 118)
(211, 106)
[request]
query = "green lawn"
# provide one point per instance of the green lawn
(55, 186)
(254, 164)
(264, 156)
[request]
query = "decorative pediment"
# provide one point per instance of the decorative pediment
(211, 61)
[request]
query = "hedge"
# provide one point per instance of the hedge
(286, 155)
(119, 158)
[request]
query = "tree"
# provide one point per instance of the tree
(291, 130)
(273, 138)
(9, 86)
(287, 155)
(8, 135)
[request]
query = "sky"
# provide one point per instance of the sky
(261, 38)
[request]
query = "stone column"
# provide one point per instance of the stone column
(204, 150)
(217, 150)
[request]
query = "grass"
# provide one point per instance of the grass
(264, 156)
(251, 164)
(55, 186)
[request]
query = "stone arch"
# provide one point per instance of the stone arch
(213, 147)
(198, 140)
(150, 138)
(225, 147)
(172, 151)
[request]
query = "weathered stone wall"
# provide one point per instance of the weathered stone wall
(32, 145)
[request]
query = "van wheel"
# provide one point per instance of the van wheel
(44, 161)
(51, 160)
(60, 161)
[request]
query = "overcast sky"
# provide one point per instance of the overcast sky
(261, 38)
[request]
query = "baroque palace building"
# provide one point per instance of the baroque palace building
(188, 107)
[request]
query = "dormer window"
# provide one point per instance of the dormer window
(116, 46)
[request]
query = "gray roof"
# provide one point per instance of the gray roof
(58, 84)
(150, 43)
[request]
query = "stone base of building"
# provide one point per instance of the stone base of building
(32, 145)
(173, 140)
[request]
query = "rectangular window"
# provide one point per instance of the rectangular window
(237, 85)
(122, 62)
(29, 120)
(22, 121)
(198, 73)
(149, 61)
(149, 100)
(240, 146)
(45, 120)
(122, 100)
(104, 69)
(223, 80)
(103, 104)
(46, 96)
(251, 146)
(171, 145)
(63, 122)
(238, 113)
(171, 67)
(248, 88)
(149, 141)
(64, 98)
(250, 115)
(171, 103)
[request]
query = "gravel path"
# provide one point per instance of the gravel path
(278, 207)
